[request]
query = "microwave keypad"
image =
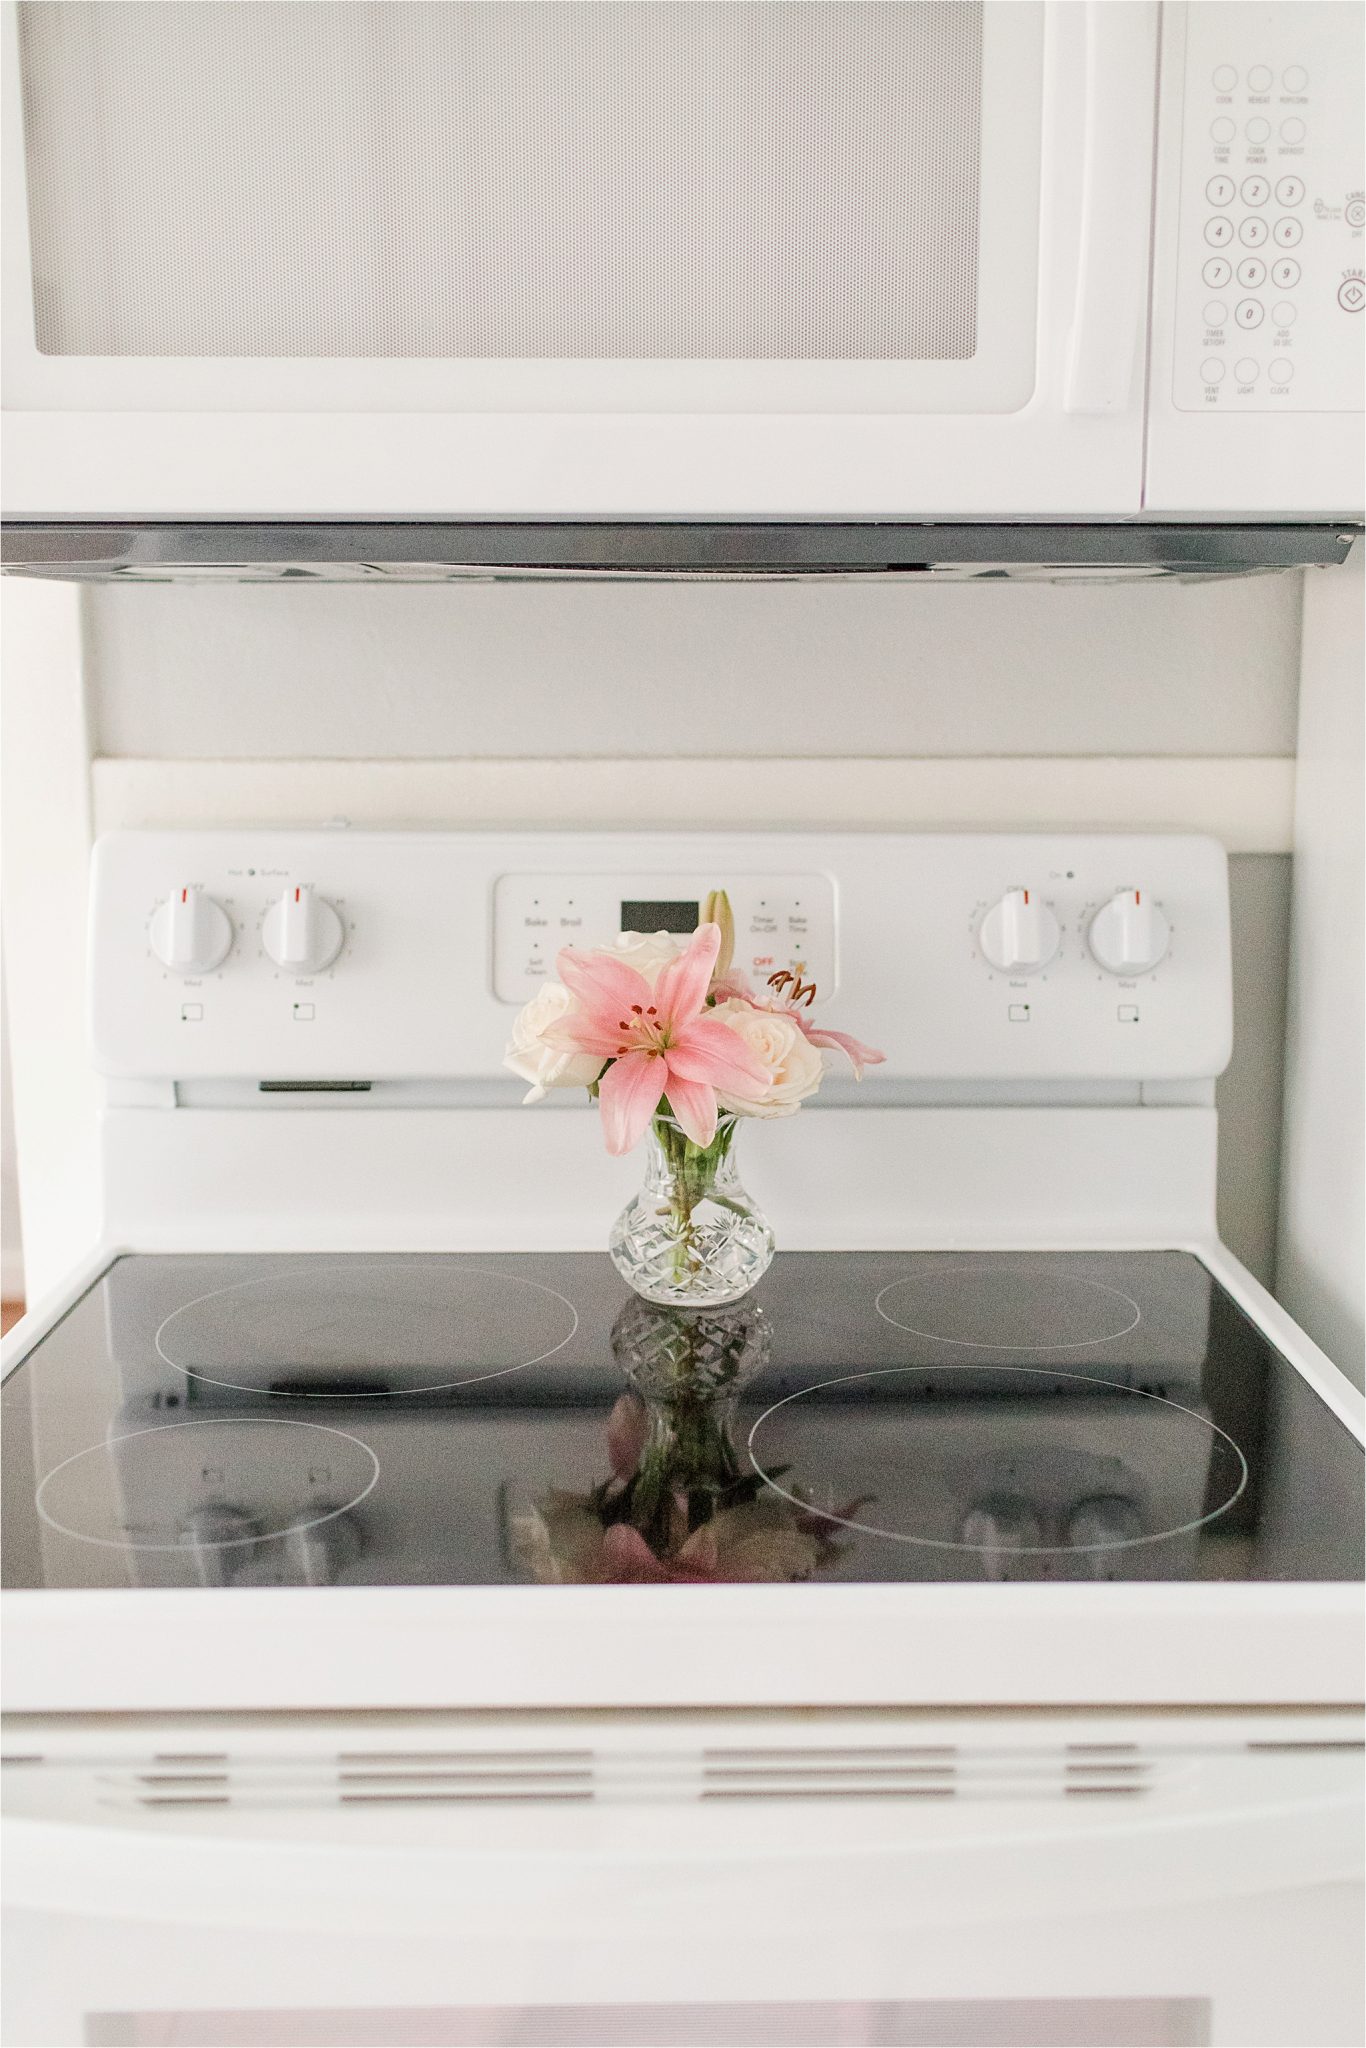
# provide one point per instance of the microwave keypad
(1272, 215)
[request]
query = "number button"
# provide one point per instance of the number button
(1290, 191)
(1219, 191)
(1218, 232)
(1217, 272)
(1256, 191)
(1252, 232)
(1285, 273)
(1251, 272)
(1287, 233)
(1249, 313)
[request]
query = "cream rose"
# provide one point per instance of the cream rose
(647, 952)
(547, 1066)
(793, 1065)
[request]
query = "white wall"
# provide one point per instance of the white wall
(45, 816)
(11, 1234)
(905, 668)
(1319, 1268)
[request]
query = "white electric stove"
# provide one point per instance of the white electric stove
(1028, 1707)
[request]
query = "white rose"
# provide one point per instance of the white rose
(793, 1065)
(647, 952)
(547, 1066)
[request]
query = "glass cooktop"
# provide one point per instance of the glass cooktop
(253, 1420)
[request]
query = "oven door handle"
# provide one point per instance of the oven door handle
(1110, 311)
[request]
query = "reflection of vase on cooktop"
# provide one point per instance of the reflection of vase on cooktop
(682, 1503)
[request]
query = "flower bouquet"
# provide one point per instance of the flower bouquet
(671, 1040)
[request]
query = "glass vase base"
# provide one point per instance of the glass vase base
(717, 1260)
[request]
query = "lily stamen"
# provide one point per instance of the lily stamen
(799, 991)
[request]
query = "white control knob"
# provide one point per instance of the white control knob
(1130, 934)
(320, 1549)
(190, 933)
(302, 932)
(1001, 1530)
(1097, 1527)
(1019, 934)
(222, 1540)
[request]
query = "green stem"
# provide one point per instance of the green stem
(692, 1174)
(690, 1456)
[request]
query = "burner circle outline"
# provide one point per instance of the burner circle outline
(230, 1542)
(190, 1372)
(984, 1344)
(1024, 1549)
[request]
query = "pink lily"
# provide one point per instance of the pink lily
(628, 1426)
(858, 1054)
(627, 1560)
(660, 1041)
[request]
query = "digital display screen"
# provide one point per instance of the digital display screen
(659, 917)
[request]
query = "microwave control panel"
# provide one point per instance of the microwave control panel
(297, 961)
(1271, 289)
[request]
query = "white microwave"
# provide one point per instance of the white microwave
(689, 259)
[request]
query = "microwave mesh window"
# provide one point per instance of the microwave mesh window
(584, 179)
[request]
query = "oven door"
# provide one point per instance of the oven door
(637, 1880)
(649, 257)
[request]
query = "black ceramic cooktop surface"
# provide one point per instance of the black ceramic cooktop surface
(486, 1420)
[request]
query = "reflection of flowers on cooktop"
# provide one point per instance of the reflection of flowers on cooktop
(1002, 1469)
(212, 1489)
(1006, 1306)
(360, 1329)
(681, 1504)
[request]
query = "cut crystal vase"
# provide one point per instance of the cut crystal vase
(693, 1236)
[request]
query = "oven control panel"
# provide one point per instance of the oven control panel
(344, 958)
(783, 922)
(1271, 287)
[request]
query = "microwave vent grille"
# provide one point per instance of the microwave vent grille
(449, 551)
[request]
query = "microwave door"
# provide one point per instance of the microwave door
(699, 258)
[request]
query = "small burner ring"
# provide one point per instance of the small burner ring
(989, 1298)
